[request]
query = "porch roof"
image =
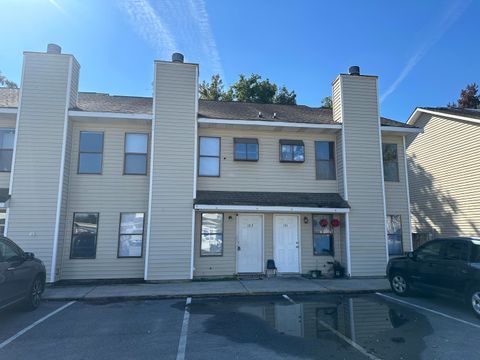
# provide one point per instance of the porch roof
(330, 201)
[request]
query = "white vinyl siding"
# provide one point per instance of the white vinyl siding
(109, 194)
(268, 173)
(443, 176)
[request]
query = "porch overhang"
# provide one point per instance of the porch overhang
(273, 202)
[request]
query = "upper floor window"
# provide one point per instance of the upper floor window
(136, 150)
(394, 233)
(91, 152)
(209, 157)
(390, 162)
(325, 160)
(292, 151)
(7, 139)
(245, 149)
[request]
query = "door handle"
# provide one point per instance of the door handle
(10, 268)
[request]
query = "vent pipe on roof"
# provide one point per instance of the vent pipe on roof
(177, 57)
(354, 70)
(54, 49)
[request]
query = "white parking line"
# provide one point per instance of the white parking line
(182, 344)
(340, 335)
(427, 309)
(21, 332)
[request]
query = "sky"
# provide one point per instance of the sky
(424, 52)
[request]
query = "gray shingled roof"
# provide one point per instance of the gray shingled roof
(99, 102)
(250, 198)
(473, 113)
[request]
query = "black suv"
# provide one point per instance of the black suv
(22, 276)
(449, 266)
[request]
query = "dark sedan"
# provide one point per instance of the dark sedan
(22, 276)
(449, 266)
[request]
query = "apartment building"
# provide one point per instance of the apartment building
(172, 187)
(443, 165)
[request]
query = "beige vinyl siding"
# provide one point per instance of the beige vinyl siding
(7, 121)
(170, 253)
(396, 192)
(443, 177)
(268, 173)
(337, 99)
(33, 203)
(339, 164)
(218, 266)
(364, 175)
(109, 194)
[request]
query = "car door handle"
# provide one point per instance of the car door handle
(11, 268)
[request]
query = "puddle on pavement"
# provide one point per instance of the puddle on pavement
(310, 327)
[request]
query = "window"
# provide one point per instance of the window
(429, 251)
(245, 149)
(9, 251)
(136, 150)
(3, 215)
(130, 238)
(292, 151)
(84, 236)
(390, 162)
(456, 250)
(7, 139)
(91, 152)
(212, 235)
(322, 235)
(209, 160)
(394, 234)
(475, 258)
(325, 160)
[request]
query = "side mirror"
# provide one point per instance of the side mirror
(28, 256)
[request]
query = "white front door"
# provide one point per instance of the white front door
(286, 243)
(250, 243)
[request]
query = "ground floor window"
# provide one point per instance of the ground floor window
(212, 235)
(84, 236)
(3, 216)
(394, 234)
(322, 235)
(130, 238)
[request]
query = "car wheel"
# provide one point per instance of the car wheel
(399, 284)
(473, 299)
(35, 293)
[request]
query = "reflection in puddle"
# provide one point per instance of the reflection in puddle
(383, 329)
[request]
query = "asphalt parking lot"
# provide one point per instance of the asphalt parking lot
(373, 326)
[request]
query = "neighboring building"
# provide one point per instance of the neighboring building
(105, 187)
(443, 171)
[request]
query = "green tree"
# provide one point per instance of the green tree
(247, 89)
(286, 97)
(7, 83)
(212, 90)
(327, 102)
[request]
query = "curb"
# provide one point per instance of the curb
(121, 298)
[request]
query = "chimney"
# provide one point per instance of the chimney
(354, 70)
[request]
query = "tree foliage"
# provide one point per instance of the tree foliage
(327, 102)
(4, 82)
(247, 89)
(469, 98)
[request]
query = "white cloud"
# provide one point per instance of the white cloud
(447, 20)
(170, 25)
